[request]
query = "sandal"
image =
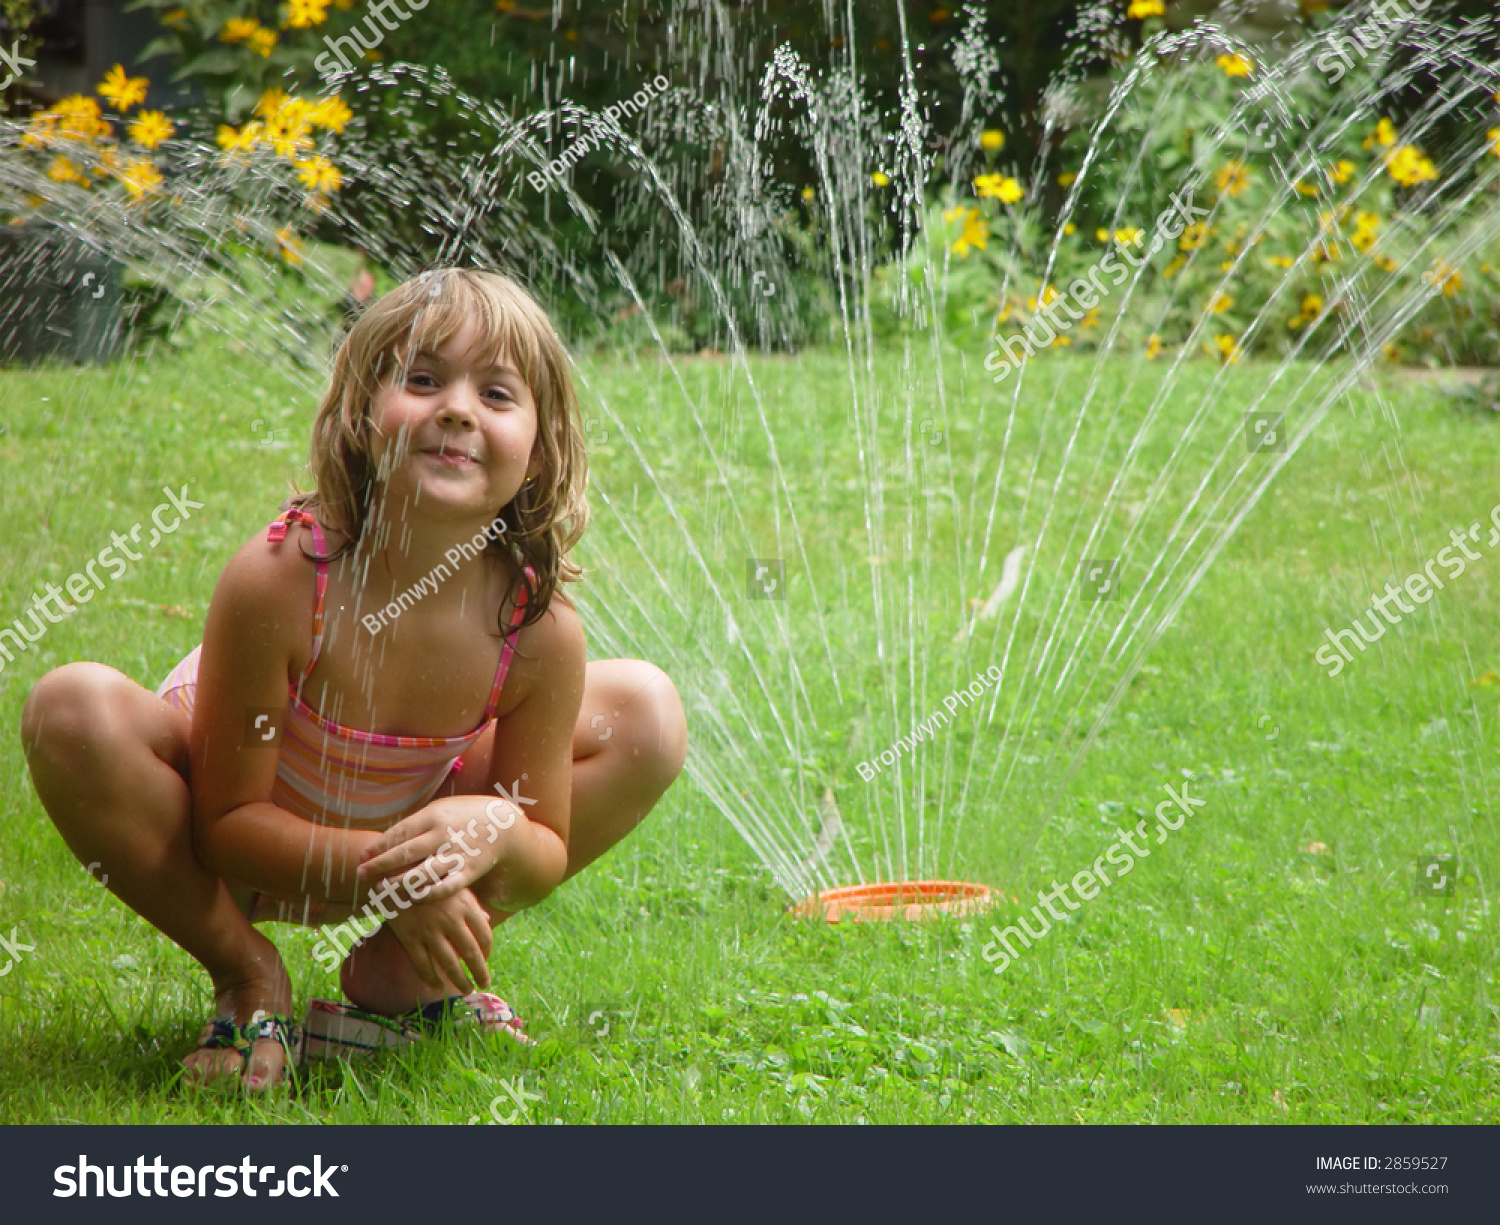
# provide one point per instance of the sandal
(223, 1034)
(335, 1030)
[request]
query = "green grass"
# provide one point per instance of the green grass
(1231, 977)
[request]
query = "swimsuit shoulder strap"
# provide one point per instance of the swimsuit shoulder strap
(277, 533)
(510, 647)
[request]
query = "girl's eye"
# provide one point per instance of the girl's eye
(498, 393)
(421, 380)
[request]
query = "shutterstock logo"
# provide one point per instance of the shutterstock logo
(188, 1181)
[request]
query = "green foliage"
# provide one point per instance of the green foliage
(237, 49)
(1297, 242)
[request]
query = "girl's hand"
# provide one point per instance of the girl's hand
(448, 942)
(435, 854)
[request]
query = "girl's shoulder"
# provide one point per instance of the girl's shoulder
(549, 647)
(277, 577)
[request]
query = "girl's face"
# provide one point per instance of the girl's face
(460, 430)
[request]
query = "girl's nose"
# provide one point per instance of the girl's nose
(459, 407)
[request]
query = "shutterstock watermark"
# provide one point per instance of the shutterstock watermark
(13, 946)
(1086, 883)
(1418, 586)
(464, 551)
(1382, 20)
(13, 60)
(78, 583)
(193, 1181)
(355, 41)
(1014, 350)
(631, 107)
(924, 730)
(415, 884)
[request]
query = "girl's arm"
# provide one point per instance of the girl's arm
(259, 623)
(509, 845)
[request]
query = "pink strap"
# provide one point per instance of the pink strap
(277, 533)
(510, 647)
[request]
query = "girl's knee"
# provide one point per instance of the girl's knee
(658, 724)
(67, 707)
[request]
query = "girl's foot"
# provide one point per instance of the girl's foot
(261, 991)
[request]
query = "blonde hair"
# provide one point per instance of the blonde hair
(548, 515)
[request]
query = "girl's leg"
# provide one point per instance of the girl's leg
(109, 760)
(629, 745)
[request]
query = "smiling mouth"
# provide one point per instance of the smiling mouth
(453, 458)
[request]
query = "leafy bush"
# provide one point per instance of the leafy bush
(1306, 224)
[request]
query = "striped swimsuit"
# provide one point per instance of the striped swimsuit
(340, 776)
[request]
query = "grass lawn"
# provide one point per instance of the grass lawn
(1271, 961)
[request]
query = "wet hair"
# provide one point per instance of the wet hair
(548, 514)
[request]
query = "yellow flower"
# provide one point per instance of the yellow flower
(37, 132)
(1069, 228)
(64, 171)
(140, 178)
(1192, 236)
(78, 106)
(1233, 178)
(238, 29)
(1220, 302)
(1066, 179)
(1235, 65)
(108, 163)
(1153, 346)
(1383, 135)
(1445, 277)
(807, 193)
(262, 42)
(1228, 350)
(319, 174)
(288, 121)
(122, 91)
(1312, 304)
(1364, 232)
(1384, 262)
(1101, 235)
(1493, 136)
(305, 13)
(999, 187)
(992, 140)
(270, 103)
(1409, 166)
(289, 245)
(976, 231)
(1060, 339)
(1139, 10)
(1341, 170)
(149, 128)
(1304, 189)
(1171, 270)
(879, 179)
(1393, 354)
(245, 138)
(1128, 234)
(173, 16)
(330, 113)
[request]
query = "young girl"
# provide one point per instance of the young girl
(392, 663)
